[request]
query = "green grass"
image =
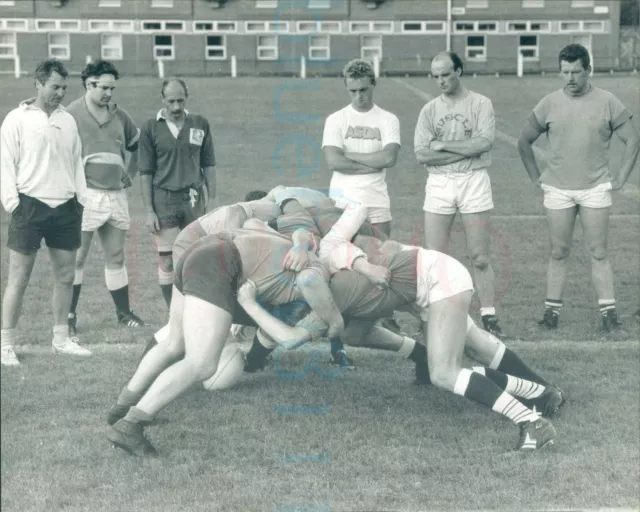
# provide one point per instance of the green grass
(378, 442)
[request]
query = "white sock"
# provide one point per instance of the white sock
(487, 311)
(408, 344)
(79, 276)
(60, 333)
(8, 338)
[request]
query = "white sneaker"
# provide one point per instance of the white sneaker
(9, 357)
(70, 347)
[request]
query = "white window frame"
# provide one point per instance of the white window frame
(7, 3)
(318, 27)
(582, 27)
(14, 25)
(162, 4)
(528, 27)
(315, 48)
(110, 46)
(110, 3)
(424, 27)
(601, 24)
(319, 4)
(52, 46)
(13, 46)
(216, 26)
(533, 4)
(45, 25)
(475, 28)
(366, 48)
(164, 26)
(260, 47)
(540, 30)
(156, 47)
(479, 58)
(222, 47)
(477, 4)
(266, 27)
(536, 48)
(266, 4)
(367, 27)
(582, 4)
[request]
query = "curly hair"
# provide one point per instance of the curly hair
(46, 68)
(359, 68)
(98, 68)
(574, 52)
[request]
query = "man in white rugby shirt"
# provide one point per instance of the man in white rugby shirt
(453, 139)
(42, 177)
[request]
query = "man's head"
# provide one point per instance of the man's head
(51, 83)
(360, 80)
(99, 80)
(174, 96)
(255, 195)
(575, 67)
(446, 69)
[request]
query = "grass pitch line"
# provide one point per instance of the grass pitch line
(622, 216)
(629, 190)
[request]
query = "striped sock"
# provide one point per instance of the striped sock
(513, 385)
(606, 305)
(554, 305)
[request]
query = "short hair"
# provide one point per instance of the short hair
(177, 79)
(98, 68)
(254, 195)
(359, 68)
(47, 67)
(574, 52)
(455, 59)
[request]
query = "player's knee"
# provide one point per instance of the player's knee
(597, 252)
(203, 368)
(560, 252)
(165, 262)
(65, 276)
(442, 375)
(480, 261)
(115, 259)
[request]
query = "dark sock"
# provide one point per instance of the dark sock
(128, 398)
(121, 299)
(167, 290)
(419, 353)
(515, 366)
(336, 345)
(484, 391)
(257, 353)
(75, 297)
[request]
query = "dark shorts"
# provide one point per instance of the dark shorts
(173, 208)
(34, 220)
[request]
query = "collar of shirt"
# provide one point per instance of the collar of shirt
(29, 105)
(161, 114)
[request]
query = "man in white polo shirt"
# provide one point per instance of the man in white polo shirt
(42, 178)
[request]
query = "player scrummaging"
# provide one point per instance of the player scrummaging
(42, 182)
(107, 133)
(579, 121)
(176, 162)
(453, 139)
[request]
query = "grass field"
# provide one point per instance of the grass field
(301, 436)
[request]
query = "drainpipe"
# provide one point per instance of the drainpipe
(448, 27)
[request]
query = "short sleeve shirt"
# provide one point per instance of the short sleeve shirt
(579, 130)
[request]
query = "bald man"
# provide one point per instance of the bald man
(453, 139)
(176, 162)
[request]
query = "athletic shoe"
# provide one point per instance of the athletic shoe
(118, 412)
(535, 435)
(610, 320)
(550, 319)
(69, 347)
(130, 437)
(491, 325)
(130, 319)
(548, 403)
(255, 365)
(341, 359)
(72, 320)
(9, 357)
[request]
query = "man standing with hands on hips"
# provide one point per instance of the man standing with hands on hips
(176, 162)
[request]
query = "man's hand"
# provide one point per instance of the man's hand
(436, 145)
(615, 184)
(296, 259)
(153, 223)
(126, 180)
(247, 292)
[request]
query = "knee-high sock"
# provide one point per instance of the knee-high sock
(513, 385)
(77, 286)
(507, 361)
(118, 285)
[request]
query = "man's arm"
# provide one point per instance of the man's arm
(314, 286)
(427, 156)
(336, 161)
(210, 178)
(9, 157)
(628, 134)
(379, 159)
(527, 137)
(468, 148)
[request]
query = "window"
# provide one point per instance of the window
(109, 3)
(477, 4)
(359, 26)
(461, 26)
(169, 26)
(582, 3)
(517, 26)
(163, 47)
(331, 27)
(532, 4)
(111, 46)
(7, 45)
(528, 47)
(569, 26)
(151, 25)
(215, 47)
(266, 26)
(268, 47)
(63, 25)
(528, 26)
(215, 26)
(163, 4)
(476, 48)
(7, 3)
(110, 26)
(319, 4)
(319, 47)
(417, 27)
(490, 26)
(15, 25)
(382, 27)
(593, 26)
(409, 26)
(539, 26)
(266, 4)
(371, 46)
(59, 46)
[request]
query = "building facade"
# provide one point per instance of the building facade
(204, 37)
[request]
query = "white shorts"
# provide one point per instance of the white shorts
(105, 206)
(378, 215)
(559, 199)
(439, 277)
(467, 193)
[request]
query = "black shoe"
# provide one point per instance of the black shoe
(548, 403)
(130, 437)
(118, 412)
(535, 435)
(610, 320)
(129, 319)
(254, 365)
(341, 359)
(550, 319)
(491, 325)
(72, 320)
